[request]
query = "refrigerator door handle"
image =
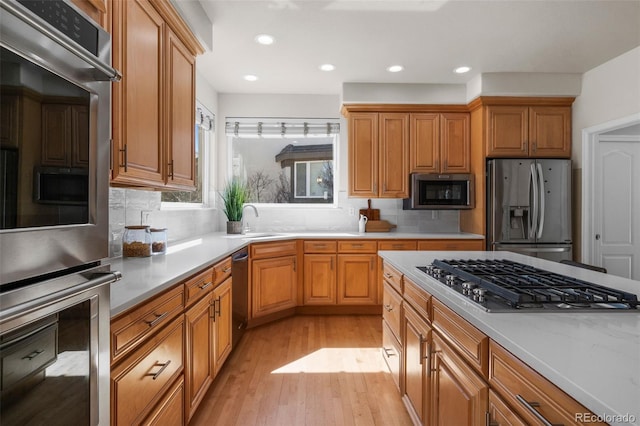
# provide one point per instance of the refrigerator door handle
(541, 193)
(533, 216)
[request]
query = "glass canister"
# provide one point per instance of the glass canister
(136, 241)
(158, 240)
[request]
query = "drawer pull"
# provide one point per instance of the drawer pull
(162, 368)
(388, 352)
(319, 245)
(213, 306)
(422, 351)
(33, 354)
(159, 317)
(227, 269)
(389, 308)
(357, 245)
(531, 406)
(388, 275)
(205, 285)
(397, 246)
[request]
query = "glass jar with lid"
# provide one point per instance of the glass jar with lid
(136, 241)
(158, 240)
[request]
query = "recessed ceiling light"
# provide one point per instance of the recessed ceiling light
(327, 67)
(265, 39)
(395, 68)
(250, 77)
(462, 70)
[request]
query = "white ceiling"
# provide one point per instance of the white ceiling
(429, 38)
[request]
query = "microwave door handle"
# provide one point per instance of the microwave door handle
(36, 22)
(541, 192)
(533, 215)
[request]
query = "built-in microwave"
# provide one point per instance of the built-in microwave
(440, 191)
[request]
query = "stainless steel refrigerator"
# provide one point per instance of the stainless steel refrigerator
(529, 207)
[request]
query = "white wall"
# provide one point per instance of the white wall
(609, 91)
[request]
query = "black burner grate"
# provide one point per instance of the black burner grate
(523, 284)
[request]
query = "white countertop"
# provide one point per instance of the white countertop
(144, 277)
(594, 357)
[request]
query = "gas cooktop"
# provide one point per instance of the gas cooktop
(508, 286)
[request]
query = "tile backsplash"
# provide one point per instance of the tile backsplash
(135, 207)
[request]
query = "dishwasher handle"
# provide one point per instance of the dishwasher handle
(240, 257)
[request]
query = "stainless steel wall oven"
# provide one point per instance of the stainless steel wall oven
(55, 91)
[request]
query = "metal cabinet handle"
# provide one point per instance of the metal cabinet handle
(388, 352)
(205, 285)
(295, 264)
(388, 275)
(389, 308)
(124, 157)
(162, 368)
(531, 407)
(213, 307)
(227, 269)
(422, 351)
(216, 311)
(33, 354)
(357, 245)
(171, 168)
(159, 317)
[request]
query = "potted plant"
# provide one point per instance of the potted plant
(234, 195)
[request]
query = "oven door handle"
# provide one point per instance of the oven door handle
(40, 25)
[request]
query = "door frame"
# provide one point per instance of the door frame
(591, 137)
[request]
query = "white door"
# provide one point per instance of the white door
(616, 216)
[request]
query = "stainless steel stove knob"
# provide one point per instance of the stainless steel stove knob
(467, 287)
(479, 294)
(450, 279)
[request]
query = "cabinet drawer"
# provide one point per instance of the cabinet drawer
(274, 249)
(221, 271)
(320, 246)
(467, 245)
(132, 326)
(391, 309)
(197, 286)
(397, 245)
(418, 298)
(357, 246)
(169, 411)
(28, 356)
(141, 380)
(391, 352)
(392, 276)
(511, 378)
(470, 342)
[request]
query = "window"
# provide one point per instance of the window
(284, 161)
(203, 135)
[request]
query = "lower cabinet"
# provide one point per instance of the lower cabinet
(222, 320)
(319, 279)
(273, 285)
(169, 411)
(459, 395)
(417, 339)
(500, 414)
(357, 278)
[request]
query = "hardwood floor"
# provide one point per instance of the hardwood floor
(306, 370)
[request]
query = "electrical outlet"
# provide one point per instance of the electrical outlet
(352, 211)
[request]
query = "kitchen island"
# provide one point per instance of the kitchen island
(592, 356)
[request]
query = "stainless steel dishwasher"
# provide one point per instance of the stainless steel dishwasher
(240, 283)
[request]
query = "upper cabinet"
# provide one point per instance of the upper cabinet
(379, 155)
(154, 104)
(439, 142)
(529, 130)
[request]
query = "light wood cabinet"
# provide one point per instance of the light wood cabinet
(459, 394)
(523, 131)
(170, 410)
(439, 143)
(528, 393)
(143, 378)
(417, 335)
(199, 355)
(446, 245)
(154, 104)
(273, 284)
(379, 155)
(500, 414)
(222, 321)
(357, 279)
(65, 132)
(319, 279)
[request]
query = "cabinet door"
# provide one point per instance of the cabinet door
(459, 396)
(222, 324)
(394, 155)
(199, 344)
(455, 143)
(138, 46)
(507, 131)
(180, 114)
(424, 143)
(357, 279)
(363, 155)
(550, 131)
(56, 135)
(417, 335)
(319, 279)
(274, 285)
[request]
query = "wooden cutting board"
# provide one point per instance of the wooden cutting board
(371, 214)
(378, 226)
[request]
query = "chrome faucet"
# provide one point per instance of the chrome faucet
(245, 225)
